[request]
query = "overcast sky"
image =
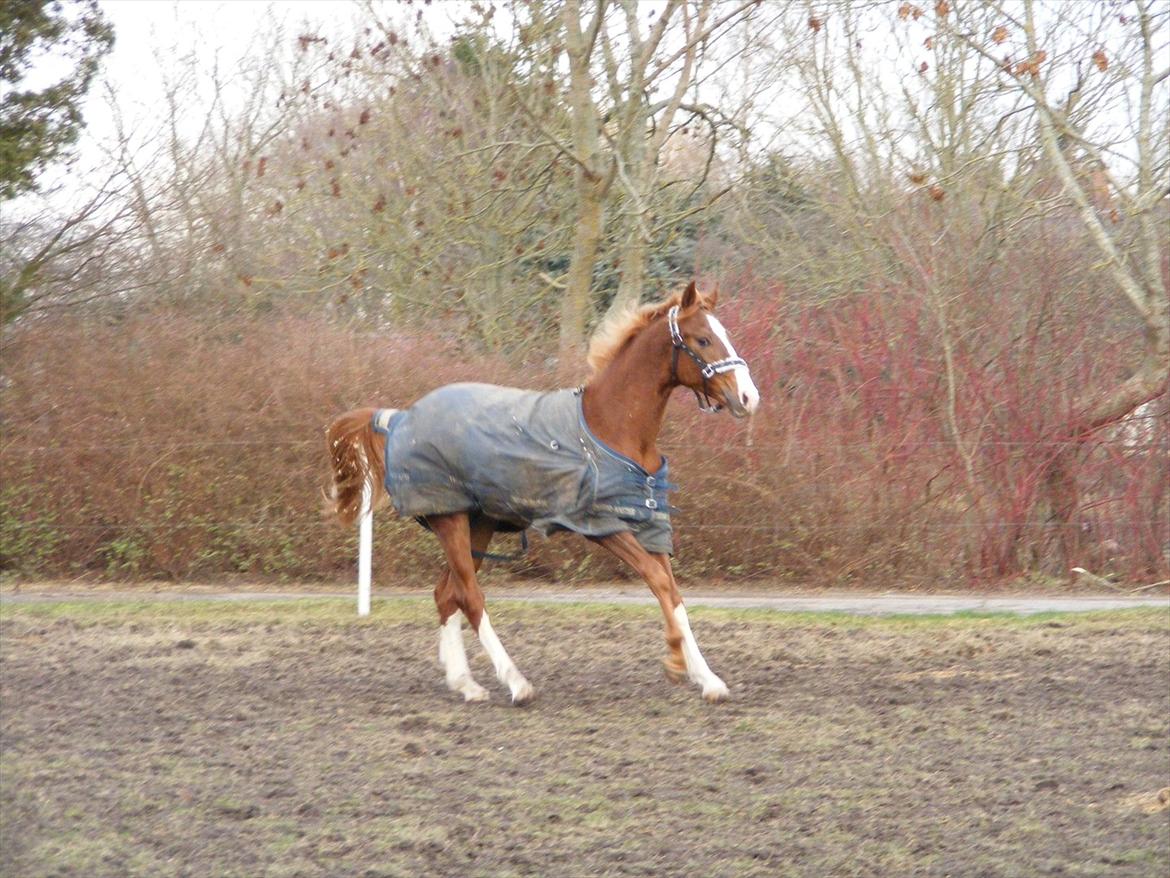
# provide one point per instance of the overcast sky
(150, 32)
(148, 35)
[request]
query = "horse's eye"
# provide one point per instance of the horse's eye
(703, 342)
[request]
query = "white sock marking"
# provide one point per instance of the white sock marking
(713, 688)
(453, 658)
(746, 388)
(506, 671)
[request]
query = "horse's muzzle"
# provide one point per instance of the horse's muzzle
(735, 405)
(737, 393)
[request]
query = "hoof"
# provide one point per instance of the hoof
(713, 693)
(523, 694)
(475, 692)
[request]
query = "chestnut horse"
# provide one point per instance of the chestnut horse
(614, 423)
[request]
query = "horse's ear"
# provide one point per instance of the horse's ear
(712, 298)
(690, 297)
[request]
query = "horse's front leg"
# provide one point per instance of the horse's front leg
(455, 533)
(714, 689)
(683, 655)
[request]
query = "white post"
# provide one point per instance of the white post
(365, 551)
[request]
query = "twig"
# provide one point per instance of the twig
(1151, 585)
(1095, 579)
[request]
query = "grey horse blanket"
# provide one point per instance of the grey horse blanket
(525, 458)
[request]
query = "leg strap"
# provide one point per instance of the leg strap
(515, 556)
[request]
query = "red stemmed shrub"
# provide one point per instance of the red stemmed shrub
(165, 446)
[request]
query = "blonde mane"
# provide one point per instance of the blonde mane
(616, 331)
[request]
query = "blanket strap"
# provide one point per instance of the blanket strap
(490, 556)
(515, 556)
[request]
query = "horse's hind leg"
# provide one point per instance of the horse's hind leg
(459, 536)
(683, 655)
(452, 656)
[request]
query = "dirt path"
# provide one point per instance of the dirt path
(854, 603)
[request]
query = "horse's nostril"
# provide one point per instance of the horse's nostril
(744, 398)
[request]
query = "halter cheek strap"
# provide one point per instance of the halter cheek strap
(707, 370)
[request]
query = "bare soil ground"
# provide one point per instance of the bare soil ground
(282, 739)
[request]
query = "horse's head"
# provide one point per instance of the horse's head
(709, 364)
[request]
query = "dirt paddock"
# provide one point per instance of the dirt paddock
(286, 739)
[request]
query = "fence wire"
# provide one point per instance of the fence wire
(722, 446)
(679, 523)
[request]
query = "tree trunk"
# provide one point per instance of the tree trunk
(591, 184)
(577, 300)
(1139, 279)
(637, 178)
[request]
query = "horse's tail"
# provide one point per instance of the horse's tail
(356, 454)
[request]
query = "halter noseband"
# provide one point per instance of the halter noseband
(707, 370)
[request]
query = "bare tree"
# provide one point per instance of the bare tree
(1008, 163)
(1115, 175)
(54, 260)
(627, 96)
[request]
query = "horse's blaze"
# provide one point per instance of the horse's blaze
(745, 389)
